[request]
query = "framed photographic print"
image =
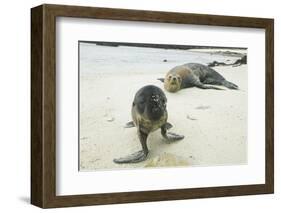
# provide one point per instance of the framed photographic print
(136, 106)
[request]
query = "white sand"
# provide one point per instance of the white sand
(213, 122)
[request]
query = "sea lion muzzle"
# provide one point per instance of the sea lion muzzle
(156, 107)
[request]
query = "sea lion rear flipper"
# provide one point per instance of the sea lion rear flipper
(129, 124)
(161, 79)
(229, 85)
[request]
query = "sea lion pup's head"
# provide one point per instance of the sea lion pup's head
(172, 82)
(150, 102)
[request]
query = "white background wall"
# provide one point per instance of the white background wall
(15, 104)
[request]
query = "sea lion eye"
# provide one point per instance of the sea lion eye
(170, 76)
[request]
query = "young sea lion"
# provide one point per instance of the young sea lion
(149, 113)
(194, 75)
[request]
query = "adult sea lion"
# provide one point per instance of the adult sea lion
(149, 113)
(194, 75)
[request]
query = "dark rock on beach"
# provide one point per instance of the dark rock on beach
(238, 62)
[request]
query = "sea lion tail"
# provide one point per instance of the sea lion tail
(161, 79)
(229, 85)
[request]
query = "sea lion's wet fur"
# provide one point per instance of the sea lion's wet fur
(149, 113)
(194, 74)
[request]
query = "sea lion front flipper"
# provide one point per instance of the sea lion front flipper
(170, 136)
(161, 79)
(203, 86)
(168, 125)
(220, 81)
(133, 158)
(137, 156)
(130, 124)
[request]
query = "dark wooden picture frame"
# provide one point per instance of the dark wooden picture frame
(43, 105)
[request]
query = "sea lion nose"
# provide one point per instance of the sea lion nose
(174, 78)
(155, 98)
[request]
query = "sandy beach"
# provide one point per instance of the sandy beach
(214, 122)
